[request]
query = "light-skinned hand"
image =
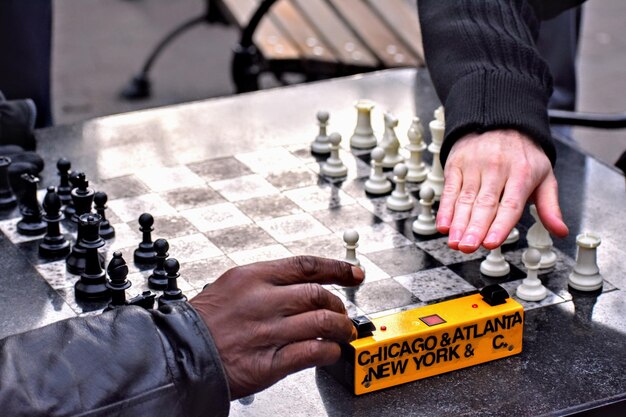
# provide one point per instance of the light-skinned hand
(270, 319)
(489, 177)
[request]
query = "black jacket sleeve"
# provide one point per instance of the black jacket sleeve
(126, 362)
(486, 70)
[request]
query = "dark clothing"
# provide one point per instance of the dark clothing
(25, 48)
(126, 362)
(485, 66)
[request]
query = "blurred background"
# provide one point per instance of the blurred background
(99, 44)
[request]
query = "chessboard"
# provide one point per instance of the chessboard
(274, 203)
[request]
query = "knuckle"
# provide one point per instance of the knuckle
(324, 322)
(487, 200)
(305, 265)
(315, 293)
(467, 197)
(512, 204)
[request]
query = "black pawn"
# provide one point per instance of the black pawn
(54, 243)
(31, 223)
(172, 293)
(7, 198)
(92, 283)
(158, 279)
(82, 196)
(117, 283)
(145, 253)
(64, 188)
(100, 204)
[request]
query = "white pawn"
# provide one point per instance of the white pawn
(494, 265)
(512, 237)
(351, 239)
(400, 199)
(538, 237)
(435, 178)
(586, 274)
(363, 137)
(377, 183)
(418, 170)
(334, 167)
(425, 224)
(531, 288)
(390, 142)
(321, 144)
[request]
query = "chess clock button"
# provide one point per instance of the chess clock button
(494, 295)
(364, 326)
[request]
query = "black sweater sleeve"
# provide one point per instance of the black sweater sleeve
(126, 362)
(487, 72)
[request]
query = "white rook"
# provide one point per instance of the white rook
(586, 274)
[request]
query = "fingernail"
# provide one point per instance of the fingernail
(455, 236)
(354, 335)
(358, 273)
(491, 238)
(468, 240)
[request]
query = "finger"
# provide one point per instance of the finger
(511, 208)
(306, 297)
(483, 212)
(463, 209)
(300, 269)
(546, 198)
(317, 324)
(449, 195)
(300, 355)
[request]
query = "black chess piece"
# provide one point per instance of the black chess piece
(92, 284)
(31, 223)
(69, 209)
(64, 189)
(172, 293)
(117, 283)
(54, 243)
(158, 279)
(100, 199)
(75, 261)
(7, 198)
(145, 253)
(82, 196)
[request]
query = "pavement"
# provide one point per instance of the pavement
(99, 44)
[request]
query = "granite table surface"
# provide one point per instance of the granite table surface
(574, 355)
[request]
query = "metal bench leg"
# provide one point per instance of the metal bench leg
(247, 62)
(139, 86)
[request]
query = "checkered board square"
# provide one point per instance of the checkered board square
(272, 204)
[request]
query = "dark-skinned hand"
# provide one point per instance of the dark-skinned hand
(271, 319)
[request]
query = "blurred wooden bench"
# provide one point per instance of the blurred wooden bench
(314, 39)
(321, 38)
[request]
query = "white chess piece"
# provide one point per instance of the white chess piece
(334, 167)
(390, 142)
(538, 237)
(586, 274)
(351, 239)
(321, 144)
(531, 288)
(377, 183)
(512, 237)
(363, 136)
(494, 265)
(425, 224)
(418, 170)
(400, 199)
(435, 178)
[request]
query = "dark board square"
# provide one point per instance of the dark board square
(403, 260)
(239, 238)
(121, 187)
(470, 271)
(377, 296)
(219, 169)
(188, 198)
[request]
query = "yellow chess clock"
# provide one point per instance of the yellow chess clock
(431, 340)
